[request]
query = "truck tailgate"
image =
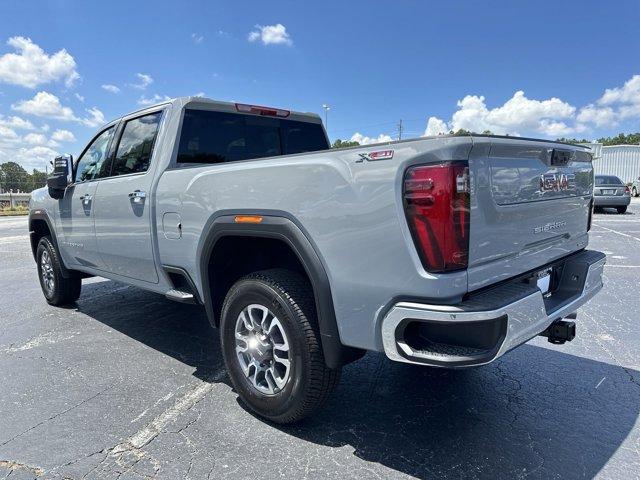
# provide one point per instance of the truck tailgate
(529, 206)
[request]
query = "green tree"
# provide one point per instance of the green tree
(463, 133)
(572, 140)
(344, 144)
(621, 139)
(38, 179)
(14, 177)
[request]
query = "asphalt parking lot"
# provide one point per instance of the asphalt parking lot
(130, 385)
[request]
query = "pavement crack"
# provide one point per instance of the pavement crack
(53, 417)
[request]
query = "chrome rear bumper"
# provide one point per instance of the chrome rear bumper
(510, 314)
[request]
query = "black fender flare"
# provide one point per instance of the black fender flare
(281, 226)
(44, 216)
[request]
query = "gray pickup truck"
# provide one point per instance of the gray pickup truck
(446, 251)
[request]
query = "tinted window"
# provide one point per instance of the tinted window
(92, 162)
(214, 137)
(607, 180)
(136, 145)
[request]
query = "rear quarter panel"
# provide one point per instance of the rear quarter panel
(351, 212)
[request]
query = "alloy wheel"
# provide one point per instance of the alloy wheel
(46, 272)
(262, 348)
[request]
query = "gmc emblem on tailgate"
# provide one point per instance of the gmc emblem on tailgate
(555, 182)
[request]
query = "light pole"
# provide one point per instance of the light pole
(326, 121)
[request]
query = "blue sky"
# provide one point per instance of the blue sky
(545, 68)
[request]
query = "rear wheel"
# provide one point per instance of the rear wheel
(634, 191)
(621, 209)
(271, 346)
(57, 290)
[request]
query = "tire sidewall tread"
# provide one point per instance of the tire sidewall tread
(290, 297)
(66, 290)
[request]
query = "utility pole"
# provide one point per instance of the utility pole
(326, 119)
(400, 130)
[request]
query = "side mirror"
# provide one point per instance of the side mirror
(61, 176)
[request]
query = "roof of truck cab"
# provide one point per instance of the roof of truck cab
(218, 105)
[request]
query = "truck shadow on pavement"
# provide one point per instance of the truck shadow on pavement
(536, 411)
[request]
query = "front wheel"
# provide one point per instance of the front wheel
(271, 346)
(621, 209)
(634, 191)
(57, 289)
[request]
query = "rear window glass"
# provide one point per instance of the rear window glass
(215, 137)
(607, 180)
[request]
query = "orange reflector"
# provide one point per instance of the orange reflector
(248, 219)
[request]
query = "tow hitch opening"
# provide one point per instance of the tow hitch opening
(561, 331)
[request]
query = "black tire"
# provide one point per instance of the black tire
(621, 209)
(634, 191)
(61, 291)
(598, 209)
(289, 297)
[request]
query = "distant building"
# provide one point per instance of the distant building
(623, 161)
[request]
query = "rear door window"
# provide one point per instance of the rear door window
(216, 137)
(136, 145)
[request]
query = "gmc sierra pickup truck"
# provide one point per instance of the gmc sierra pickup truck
(446, 251)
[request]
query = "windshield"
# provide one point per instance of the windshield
(607, 180)
(215, 137)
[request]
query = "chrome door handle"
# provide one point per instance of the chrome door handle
(138, 195)
(86, 198)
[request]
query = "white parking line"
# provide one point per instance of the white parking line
(619, 233)
(622, 266)
(616, 220)
(15, 238)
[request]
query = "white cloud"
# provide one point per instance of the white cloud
(33, 150)
(271, 35)
(435, 126)
(79, 97)
(111, 88)
(615, 105)
(7, 134)
(628, 93)
(517, 115)
(37, 157)
(31, 66)
(144, 81)
(364, 140)
(95, 118)
(63, 136)
(16, 122)
(598, 116)
(551, 117)
(35, 139)
(46, 105)
(197, 38)
(153, 100)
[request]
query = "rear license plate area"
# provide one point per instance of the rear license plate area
(544, 283)
(545, 280)
(608, 192)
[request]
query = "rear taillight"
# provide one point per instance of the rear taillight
(436, 201)
(590, 214)
(626, 189)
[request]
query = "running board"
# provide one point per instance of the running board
(183, 297)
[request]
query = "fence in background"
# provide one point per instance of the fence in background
(14, 200)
